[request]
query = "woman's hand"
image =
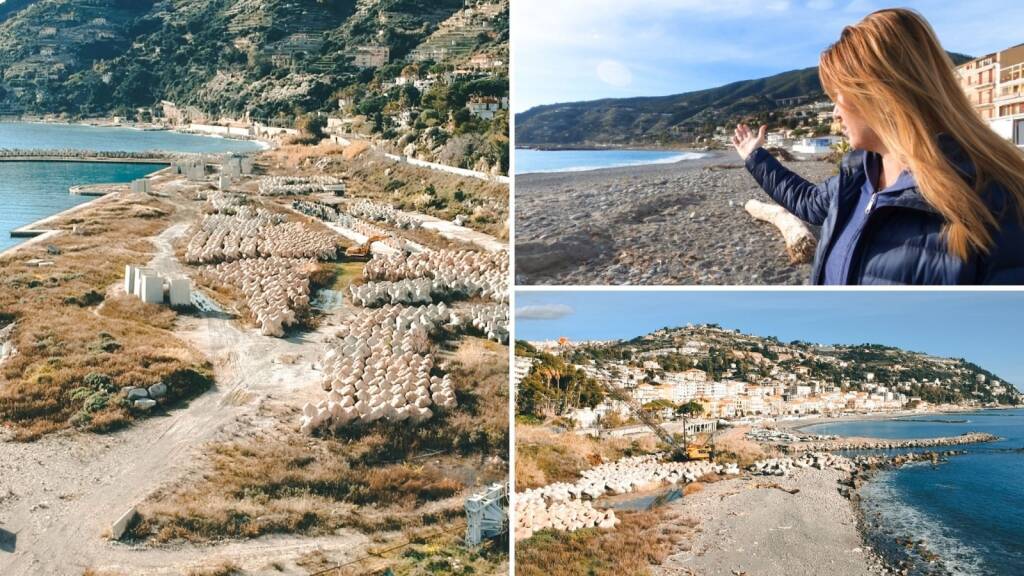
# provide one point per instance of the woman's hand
(746, 141)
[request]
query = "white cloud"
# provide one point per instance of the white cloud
(614, 73)
(543, 312)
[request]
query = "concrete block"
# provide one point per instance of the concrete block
(121, 525)
(137, 282)
(141, 186)
(181, 292)
(129, 279)
(151, 289)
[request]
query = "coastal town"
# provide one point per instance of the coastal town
(696, 444)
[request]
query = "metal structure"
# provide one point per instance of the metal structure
(487, 514)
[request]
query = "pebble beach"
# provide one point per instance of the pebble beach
(680, 223)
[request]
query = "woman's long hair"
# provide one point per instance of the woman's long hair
(891, 68)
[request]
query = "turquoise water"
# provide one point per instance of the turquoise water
(969, 511)
(531, 161)
(30, 191)
(33, 136)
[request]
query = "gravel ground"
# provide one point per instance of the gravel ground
(750, 527)
(681, 223)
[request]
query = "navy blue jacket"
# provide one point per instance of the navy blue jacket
(902, 242)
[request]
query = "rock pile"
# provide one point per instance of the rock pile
(533, 513)
(483, 274)
(785, 465)
(380, 367)
(562, 505)
(772, 435)
(275, 288)
(292, 185)
(254, 234)
(968, 438)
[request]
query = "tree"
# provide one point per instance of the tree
(312, 126)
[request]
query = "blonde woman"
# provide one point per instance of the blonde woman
(930, 194)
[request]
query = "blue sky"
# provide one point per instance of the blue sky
(570, 50)
(983, 327)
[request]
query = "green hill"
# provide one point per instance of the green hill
(268, 60)
(665, 119)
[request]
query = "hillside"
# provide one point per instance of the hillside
(272, 61)
(679, 118)
(732, 355)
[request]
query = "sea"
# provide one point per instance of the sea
(529, 161)
(30, 191)
(968, 512)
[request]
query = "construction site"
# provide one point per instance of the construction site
(275, 371)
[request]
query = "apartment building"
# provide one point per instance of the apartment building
(994, 84)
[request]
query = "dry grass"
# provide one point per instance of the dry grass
(733, 446)
(641, 540)
(72, 361)
(544, 456)
(485, 205)
(225, 568)
(379, 478)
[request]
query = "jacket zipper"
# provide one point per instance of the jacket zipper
(871, 202)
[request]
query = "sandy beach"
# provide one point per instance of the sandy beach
(755, 526)
(680, 223)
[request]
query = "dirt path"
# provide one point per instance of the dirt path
(59, 495)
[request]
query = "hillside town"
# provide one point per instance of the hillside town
(426, 84)
(712, 372)
(994, 83)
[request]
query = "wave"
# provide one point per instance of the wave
(892, 524)
(624, 164)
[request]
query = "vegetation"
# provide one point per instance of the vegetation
(553, 387)
(642, 539)
(280, 482)
(78, 352)
(281, 62)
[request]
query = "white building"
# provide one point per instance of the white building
(816, 145)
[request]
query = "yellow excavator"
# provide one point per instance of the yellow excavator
(361, 252)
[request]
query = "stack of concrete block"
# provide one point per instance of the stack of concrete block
(534, 513)
(296, 186)
(491, 319)
(275, 289)
(377, 212)
(379, 367)
(483, 274)
(331, 214)
(255, 234)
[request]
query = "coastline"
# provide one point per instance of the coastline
(37, 232)
(264, 144)
(759, 525)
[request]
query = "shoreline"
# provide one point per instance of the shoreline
(145, 127)
(34, 233)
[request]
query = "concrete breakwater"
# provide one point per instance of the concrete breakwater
(876, 444)
(72, 155)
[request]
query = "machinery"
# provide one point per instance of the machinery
(361, 253)
(487, 514)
